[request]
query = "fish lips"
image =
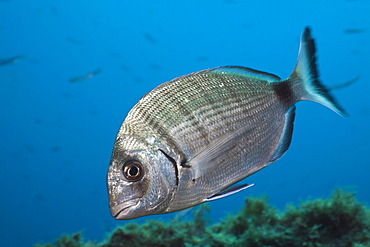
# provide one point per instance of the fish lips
(122, 210)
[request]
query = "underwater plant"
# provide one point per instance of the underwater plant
(337, 221)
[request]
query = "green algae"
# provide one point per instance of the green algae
(338, 221)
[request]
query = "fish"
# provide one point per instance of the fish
(75, 41)
(354, 30)
(10, 60)
(192, 139)
(84, 77)
(344, 84)
(150, 38)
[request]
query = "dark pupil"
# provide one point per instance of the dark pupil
(133, 171)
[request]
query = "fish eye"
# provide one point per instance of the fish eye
(133, 170)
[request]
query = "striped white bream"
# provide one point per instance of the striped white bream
(191, 139)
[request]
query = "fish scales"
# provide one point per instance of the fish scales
(191, 139)
(204, 94)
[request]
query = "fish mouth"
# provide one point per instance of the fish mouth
(122, 210)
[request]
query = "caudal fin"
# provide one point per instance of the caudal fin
(306, 76)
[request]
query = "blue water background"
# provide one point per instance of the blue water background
(57, 136)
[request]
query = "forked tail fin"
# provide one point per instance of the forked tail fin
(305, 76)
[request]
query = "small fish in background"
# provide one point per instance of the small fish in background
(190, 140)
(67, 95)
(30, 148)
(75, 41)
(93, 112)
(154, 66)
(344, 84)
(56, 149)
(54, 10)
(138, 80)
(11, 60)
(84, 77)
(39, 197)
(354, 30)
(150, 38)
(125, 68)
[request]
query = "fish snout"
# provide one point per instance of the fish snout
(123, 210)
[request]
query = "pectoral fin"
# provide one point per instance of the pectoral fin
(202, 163)
(229, 191)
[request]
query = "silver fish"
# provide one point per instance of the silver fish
(191, 139)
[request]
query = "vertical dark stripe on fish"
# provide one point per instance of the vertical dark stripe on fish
(173, 161)
(284, 92)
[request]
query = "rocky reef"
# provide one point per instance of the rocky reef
(337, 221)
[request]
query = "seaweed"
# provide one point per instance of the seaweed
(339, 221)
(75, 240)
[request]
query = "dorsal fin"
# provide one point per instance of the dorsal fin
(247, 72)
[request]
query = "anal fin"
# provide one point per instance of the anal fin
(286, 136)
